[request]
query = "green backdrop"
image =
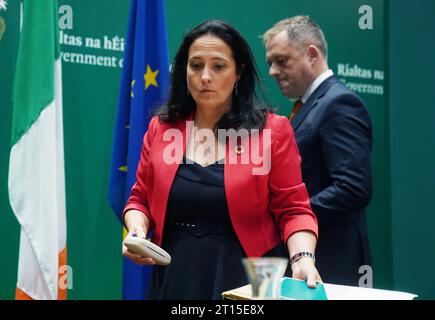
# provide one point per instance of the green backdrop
(412, 136)
(90, 96)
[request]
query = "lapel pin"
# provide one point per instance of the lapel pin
(239, 149)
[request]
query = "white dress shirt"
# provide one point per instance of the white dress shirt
(315, 84)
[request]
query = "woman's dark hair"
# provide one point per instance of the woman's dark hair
(246, 112)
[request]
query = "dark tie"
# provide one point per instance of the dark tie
(296, 107)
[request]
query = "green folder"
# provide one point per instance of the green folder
(294, 289)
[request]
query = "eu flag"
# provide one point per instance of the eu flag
(144, 86)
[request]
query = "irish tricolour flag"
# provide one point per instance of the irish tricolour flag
(36, 164)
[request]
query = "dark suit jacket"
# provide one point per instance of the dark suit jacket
(264, 209)
(333, 133)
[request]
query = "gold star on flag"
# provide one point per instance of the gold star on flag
(3, 5)
(132, 86)
(123, 168)
(150, 77)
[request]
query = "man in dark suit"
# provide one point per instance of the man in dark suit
(333, 132)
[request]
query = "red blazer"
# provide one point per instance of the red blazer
(264, 209)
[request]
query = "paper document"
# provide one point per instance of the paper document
(298, 290)
(338, 292)
(293, 289)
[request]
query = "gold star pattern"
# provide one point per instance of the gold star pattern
(132, 86)
(150, 77)
(3, 5)
(123, 168)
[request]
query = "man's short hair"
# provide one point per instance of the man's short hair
(302, 32)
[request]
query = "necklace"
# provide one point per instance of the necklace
(201, 141)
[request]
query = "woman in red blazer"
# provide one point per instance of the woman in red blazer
(211, 196)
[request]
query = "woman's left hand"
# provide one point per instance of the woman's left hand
(304, 269)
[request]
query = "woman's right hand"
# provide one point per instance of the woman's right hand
(137, 258)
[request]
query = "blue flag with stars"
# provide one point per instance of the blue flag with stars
(144, 86)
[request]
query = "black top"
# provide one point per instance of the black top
(198, 193)
(206, 254)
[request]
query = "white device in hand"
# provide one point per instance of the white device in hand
(147, 249)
